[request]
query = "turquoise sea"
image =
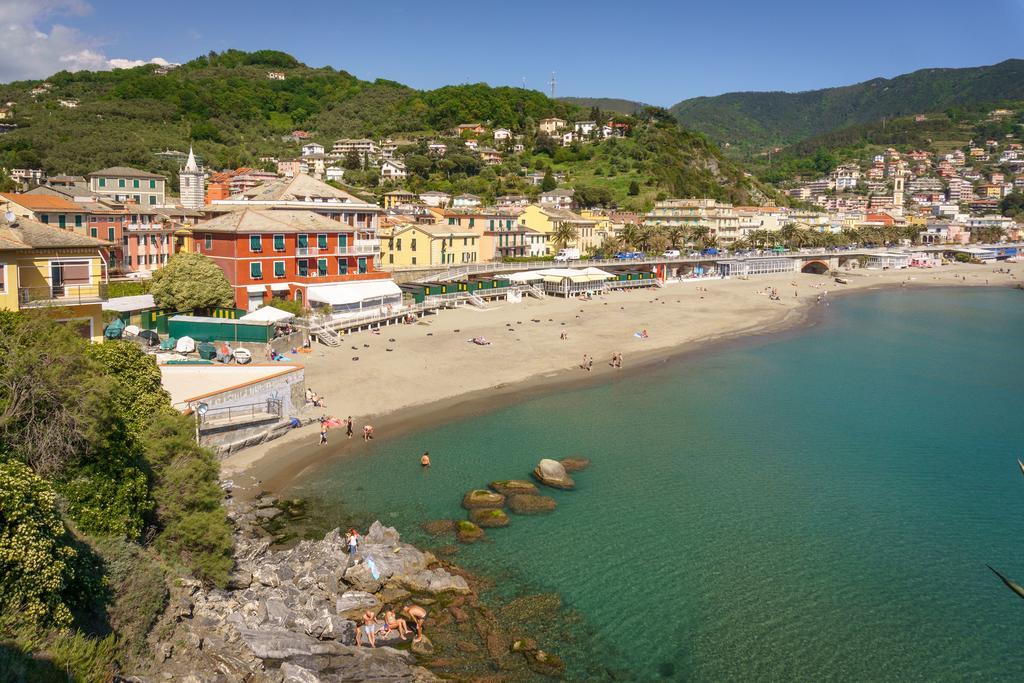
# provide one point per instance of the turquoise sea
(814, 506)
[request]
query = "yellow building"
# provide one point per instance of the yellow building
(44, 267)
(546, 220)
(419, 244)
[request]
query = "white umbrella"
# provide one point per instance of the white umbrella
(185, 345)
(132, 330)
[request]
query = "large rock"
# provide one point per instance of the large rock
(293, 673)
(352, 604)
(482, 499)
(575, 464)
(467, 532)
(514, 487)
(435, 581)
(531, 504)
(488, 518)
(552, 473)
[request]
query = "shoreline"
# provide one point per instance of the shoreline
(277, 466)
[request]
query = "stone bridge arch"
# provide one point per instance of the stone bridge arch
(816, 267)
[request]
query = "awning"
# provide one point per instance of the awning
(344, 293)
(267, 314)
(279, 287)
(525, 276)
(129, 304)
(255, 289)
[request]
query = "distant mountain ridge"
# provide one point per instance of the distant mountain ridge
(755, 120)
(610, 104)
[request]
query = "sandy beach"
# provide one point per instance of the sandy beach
(408, 376)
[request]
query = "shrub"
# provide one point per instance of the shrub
(191, 281)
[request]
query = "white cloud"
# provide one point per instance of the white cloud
(29, 50)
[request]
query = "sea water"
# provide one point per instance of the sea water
(820, 505)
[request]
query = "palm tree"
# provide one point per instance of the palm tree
(630, 235)
(646, 234)
(699, 235)
(611, 245)
(851, 235)
(676, 236)
(788, 233)
(564, 234)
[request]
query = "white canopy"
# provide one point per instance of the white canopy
(255, 289)
(526, 276)
(267, 314)
(129, 304)
(278, 287)
(346, 293)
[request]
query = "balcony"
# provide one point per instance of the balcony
(359, 248)
(62, 295)
(308, 251)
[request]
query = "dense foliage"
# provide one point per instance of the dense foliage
(754, 120)
(190, 281)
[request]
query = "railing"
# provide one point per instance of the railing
(307, 251)
(62, 295)
(228, 414)
(359, 248)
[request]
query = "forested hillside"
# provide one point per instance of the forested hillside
(233, 111)
(751, 121)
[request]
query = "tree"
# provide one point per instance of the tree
(548, 183)
(41, 577)
(630, 236)
(700, 235)
(634, 188)
(1012, 204)
(52, 398)
(352, 161)
(564, 234)
(676, 236)
(191, 281)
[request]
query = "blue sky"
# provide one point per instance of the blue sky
(657, 52)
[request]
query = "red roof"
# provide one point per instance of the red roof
(41, 202)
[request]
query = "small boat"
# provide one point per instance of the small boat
(242, 356)
(842, 281)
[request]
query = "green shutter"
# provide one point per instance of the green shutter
(278, 268)
(362, 264)
(342, 266)
(120, 182)
(135, 183)
(303, 267)
(321, 241)
(255, 270)
(78, 221)
(303, 241)
(255, 243)
(110, 234)
(103, 182)
(278, 242)
(321, 267)
(152, 184)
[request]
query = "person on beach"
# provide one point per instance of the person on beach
(348, 427)
(368, 630)
(323, 432)
(425, 459)
(392, 622)
(367, 432)
(418, 616)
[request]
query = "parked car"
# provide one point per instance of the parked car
(629, 255)
(671, 253)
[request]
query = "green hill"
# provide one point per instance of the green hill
(606, 104)
(233, 111)
(750, 121)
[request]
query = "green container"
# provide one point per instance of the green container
(207, 351)
(202, 328)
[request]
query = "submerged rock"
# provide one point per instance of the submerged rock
(438, 527)
(480, 499)
(575, 464)
(514, 487)
(545, 664)
(468, 532)
(552, 473)
(531, 504)
(489, 518)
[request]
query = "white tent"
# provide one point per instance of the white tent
(348, 297)
(526, 276)
(267, 314)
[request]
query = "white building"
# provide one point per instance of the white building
(435, 198)
(502, 134)
(558, 199)
(191, 181)
(585, 127)
(335, 173)
(392, 169)
(465, 201)
(312, 148)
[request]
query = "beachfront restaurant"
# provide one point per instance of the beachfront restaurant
(888, 261)
(757, 266)
(565, 281)
(352, 298)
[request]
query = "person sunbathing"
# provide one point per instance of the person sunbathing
(391, 622)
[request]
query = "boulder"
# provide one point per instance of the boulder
(469, 532)
(482, 499)
(575, 464)
(435, 581)
(423, 647)
(352, 604)
(488, 518)
(360, 577)
(438, 527)
(531, 504)
(551, 473)
(293, 673)
(380, 534)
(545, 664)
(514, 487)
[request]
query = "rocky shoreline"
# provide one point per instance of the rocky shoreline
(290, 615)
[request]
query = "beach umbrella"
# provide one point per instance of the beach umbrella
(185, 345)
(131, 330)
(168, 344)
(114, 330)
(151, 337)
